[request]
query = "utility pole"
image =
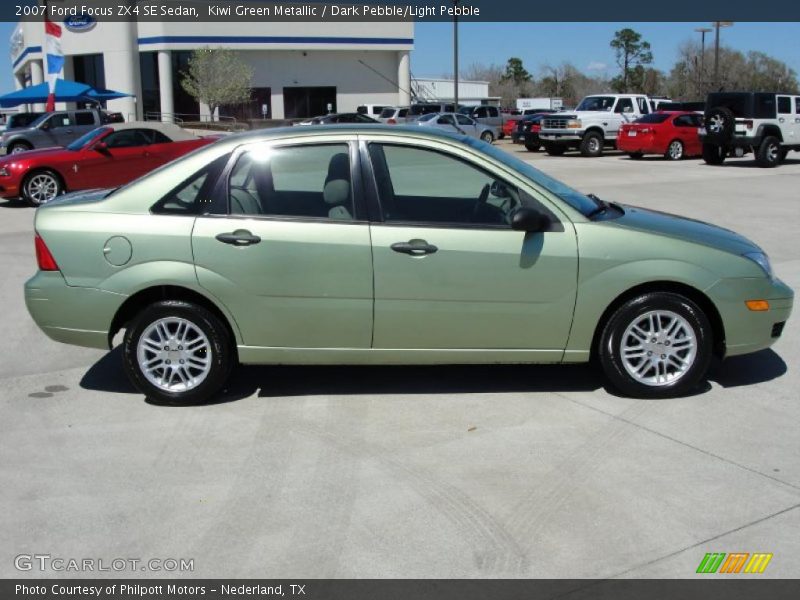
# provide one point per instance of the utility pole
(702, 77)
(717, 25)
(455, 57)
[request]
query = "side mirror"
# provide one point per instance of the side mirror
(101, 147)
(530, 220)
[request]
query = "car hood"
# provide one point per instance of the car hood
(35, 154)
(690, 230)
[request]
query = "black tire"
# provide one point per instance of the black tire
(41, 186)
(554, 149)
(769, 152)
(636, 155)
(675, 150)
(720, 123)
(532, 147)
(220, 349)
(18, 147)
(713, 154)
(592, 144)
(614, 336)
(487, 136)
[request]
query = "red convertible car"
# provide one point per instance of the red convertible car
(108, 156)
(671, 134)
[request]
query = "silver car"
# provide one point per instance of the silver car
(457, 123)
(394, 115)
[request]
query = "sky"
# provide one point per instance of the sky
(583, 44)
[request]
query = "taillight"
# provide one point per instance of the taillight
(43, 257)
(391, 122)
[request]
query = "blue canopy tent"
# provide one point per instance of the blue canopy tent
(66, 91)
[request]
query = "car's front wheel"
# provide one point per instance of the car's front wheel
(656, 345)
(40, 187)
(592, 144)
(177, 352)
(554, 149)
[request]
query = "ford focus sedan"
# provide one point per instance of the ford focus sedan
(390, 245)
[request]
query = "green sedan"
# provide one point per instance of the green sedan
(385, 245)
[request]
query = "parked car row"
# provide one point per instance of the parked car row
(28, 131)
(730, 124)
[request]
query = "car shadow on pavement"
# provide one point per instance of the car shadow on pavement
(107, 375)
(749, 369)
(13, 204)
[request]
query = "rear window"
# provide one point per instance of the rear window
(653, 118)
(387, 113)
(84, 118)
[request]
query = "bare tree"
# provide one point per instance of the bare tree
(217, 76)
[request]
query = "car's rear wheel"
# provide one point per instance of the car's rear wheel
(713, 154)
(177, 352)
(675, 150)
(656, 345)
(487, 137)
(18, 147)
(554, 149)
(769, 152)
(532, 147)
(592, 144)
(40, 187)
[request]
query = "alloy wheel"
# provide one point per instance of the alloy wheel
(676, 150)
(41, 188)
(174, 354)
(658, 348)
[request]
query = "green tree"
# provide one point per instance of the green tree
(631, 52)
(516, 73)
(217, 76)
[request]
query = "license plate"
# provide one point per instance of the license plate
(632, 134)
(701, 131)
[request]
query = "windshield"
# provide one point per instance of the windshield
(86, 138)
(596, 103)
(40, 119)
(580, 202)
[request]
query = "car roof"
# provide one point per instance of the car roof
(172, 131)
(278, 133)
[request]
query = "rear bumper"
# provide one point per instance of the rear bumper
(638, 144)
(72, 315)
(737, 141)
(747, 331)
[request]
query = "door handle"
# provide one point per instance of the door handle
(414, 247)
(240, 237)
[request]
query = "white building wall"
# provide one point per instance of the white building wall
(282, 55)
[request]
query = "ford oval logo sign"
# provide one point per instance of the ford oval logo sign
(80, 23)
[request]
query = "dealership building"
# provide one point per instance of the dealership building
(299, 69)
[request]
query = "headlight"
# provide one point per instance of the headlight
(762, 260)
(574, 124)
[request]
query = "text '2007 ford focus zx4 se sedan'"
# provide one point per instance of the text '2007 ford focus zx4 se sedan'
(384, 245)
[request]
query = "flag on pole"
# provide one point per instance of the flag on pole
(55, 59)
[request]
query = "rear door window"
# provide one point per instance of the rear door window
(84, 118)
(624, 105)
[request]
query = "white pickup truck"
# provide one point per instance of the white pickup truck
(594, 124)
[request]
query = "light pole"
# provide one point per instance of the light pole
(717, 25)
(702, 76)
(455, 56)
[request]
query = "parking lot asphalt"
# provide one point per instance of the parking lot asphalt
(502, 471)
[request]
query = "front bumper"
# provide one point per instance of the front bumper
(561, 136)
(73, 315)
(747, 331)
